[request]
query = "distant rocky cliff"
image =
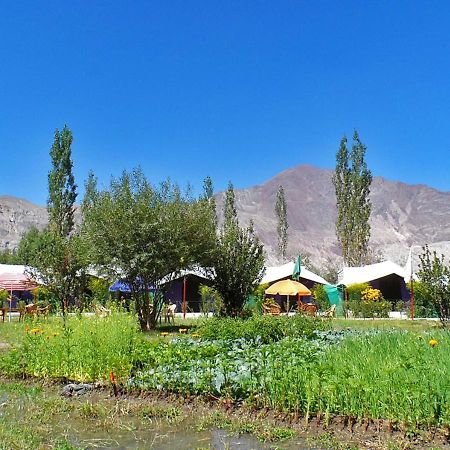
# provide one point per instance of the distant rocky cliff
(403, 215)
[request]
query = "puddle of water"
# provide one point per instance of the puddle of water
(162, 436)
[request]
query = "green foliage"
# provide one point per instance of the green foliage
(238, 260)
(60, 263)
(423, 304)
(282, 226)
(143, 234)
(320, 295)
(211, 301)
(8, 256)
(434, 275)
(361, 306)
(62, 189)
(57, 254)
(264, 328)
(352, 180)
(4, 294)
(43, 297)
(354, 291)
(86, 349)
(99, 289)
(29, 246)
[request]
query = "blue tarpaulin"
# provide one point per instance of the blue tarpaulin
(122, 286)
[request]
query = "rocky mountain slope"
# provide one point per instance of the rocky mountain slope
(403, 216)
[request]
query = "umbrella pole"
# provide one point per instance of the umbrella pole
(10, 304)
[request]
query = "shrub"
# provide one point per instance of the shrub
(321, 297)
(355, 291)
(266, 328)
(423, 306)
(211, 301)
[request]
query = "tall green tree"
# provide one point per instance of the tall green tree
(57, 254)
(282, 224)
(352, 180)
(62, 190)
(146, 235)
(239, 259)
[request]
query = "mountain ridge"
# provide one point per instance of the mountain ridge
(403, 215)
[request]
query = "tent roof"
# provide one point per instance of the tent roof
(279, 272)
(16, 282)
(364, 274)
(288, 287)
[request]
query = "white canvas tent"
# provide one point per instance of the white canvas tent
(276, 273)
(371, 272)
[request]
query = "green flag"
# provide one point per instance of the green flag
(297, 268)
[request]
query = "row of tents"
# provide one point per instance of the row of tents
(388, 277)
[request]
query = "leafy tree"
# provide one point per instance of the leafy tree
(282, 226)
(238, 261)
(8, 256)
(146, 235)
(29, 245)
(58, 254)
(352, 180)
(434, 276)
(62, 189)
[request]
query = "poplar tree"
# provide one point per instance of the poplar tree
(352, 180)
(282, 226)
(58, 256)
(62, 189)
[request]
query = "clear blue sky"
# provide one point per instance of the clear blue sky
(238, 90)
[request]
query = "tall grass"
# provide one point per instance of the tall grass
(86, 349)
(395, 376)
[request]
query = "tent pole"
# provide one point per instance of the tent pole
(184, 298)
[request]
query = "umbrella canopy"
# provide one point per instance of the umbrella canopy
(17, 282)
(288, 287)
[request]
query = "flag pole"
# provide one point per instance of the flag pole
(413, 302)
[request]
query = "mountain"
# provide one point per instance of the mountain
(17, 216)
(402, 216)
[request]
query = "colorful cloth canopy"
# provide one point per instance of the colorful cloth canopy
(288, 287)
(17, 282)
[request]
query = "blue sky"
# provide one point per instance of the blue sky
(238, 90)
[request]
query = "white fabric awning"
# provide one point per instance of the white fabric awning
(280, 272)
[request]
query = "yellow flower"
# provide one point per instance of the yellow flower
(183, 330)
(35, 330)
(164, 333)
(433, 342)
(195, 335)
(55, 334)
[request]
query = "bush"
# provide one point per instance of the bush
(266, 328)
(423, 304)
(321, 297)
(211, 301)
(355, 291)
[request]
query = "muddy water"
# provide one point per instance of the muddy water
(163, 436)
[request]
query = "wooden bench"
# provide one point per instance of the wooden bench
(271, 308)
(29, 310)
